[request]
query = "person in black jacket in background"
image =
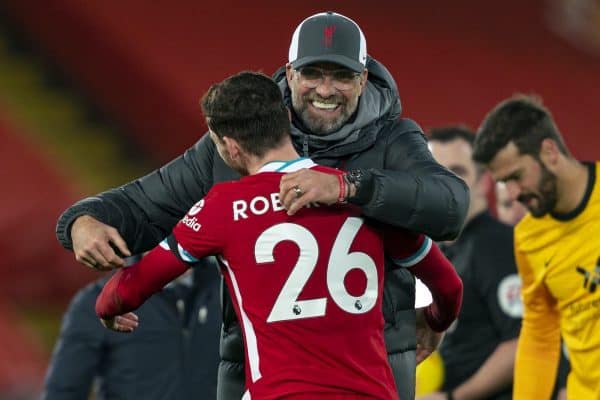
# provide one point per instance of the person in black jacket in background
(478, 351)
(172, 355)
(345, 112)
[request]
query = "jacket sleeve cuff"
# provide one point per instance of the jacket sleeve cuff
(65, 221)
(364, 193)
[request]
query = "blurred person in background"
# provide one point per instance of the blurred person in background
(509, 210)
(556, 245)
(478, 351)
(346, 114)
(172, 355)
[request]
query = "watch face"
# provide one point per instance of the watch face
(354, 177)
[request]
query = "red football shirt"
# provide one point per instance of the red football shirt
(307, 288)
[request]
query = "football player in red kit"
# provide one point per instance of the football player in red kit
(307, 288)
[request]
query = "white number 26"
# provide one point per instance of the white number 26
(341, 261)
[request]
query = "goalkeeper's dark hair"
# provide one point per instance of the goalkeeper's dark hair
(522, 120)
(249, 108)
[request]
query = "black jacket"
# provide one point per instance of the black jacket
(484, 259)
(403, 186)
(172, 355)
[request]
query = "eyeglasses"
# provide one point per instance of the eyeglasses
(341, 79)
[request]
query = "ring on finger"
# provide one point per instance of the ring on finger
(298, 191)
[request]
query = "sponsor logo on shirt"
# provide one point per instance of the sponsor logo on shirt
(196, 208)
(590, 279)
(191, 223)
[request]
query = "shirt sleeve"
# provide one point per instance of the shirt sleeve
(202, 231)
(197, 235)
(425, 261)
(131, 286)
(539, 343)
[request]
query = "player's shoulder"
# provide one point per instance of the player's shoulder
(223, 190)
(531, 229)
(219, 195)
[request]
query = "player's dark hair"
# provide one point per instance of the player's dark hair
(447, 134)
(249, 108)
(520, 119)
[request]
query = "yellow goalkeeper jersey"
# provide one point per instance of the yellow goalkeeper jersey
(558, 257)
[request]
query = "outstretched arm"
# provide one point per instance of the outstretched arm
(138, 215)
(129, 287)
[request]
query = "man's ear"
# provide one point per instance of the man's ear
(486, 183)
(289, 71)
(233, 147)
(363, 80)
(549, 153)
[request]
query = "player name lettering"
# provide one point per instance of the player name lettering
(259, 205)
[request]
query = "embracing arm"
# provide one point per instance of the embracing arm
(145, 210)
(425, 260)
(413, 191)
(436, 271)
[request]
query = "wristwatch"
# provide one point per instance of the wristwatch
(354, 177)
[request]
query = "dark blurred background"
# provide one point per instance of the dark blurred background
(95, 93)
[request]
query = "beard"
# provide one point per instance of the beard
(546, 195)
(318, 124)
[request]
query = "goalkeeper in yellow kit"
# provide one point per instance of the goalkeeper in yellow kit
(557, 246)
